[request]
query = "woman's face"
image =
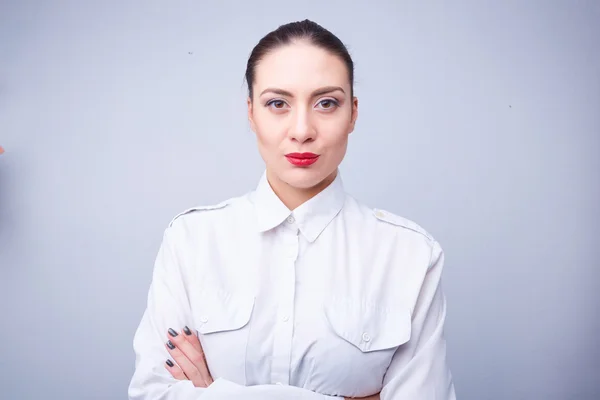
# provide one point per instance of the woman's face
(302, 104)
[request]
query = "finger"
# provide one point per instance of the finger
(194, 352)
(196, 357)
(372, 397)
(193, 339)
(189, 369)
(175, 371)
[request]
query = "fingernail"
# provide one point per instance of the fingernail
(170, 363)
(187, 330)
(172, 332)
(170, 345)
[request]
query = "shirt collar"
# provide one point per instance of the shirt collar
(311, 217)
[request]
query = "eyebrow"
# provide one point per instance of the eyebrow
(318, 92)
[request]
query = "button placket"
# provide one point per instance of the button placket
(282, 345)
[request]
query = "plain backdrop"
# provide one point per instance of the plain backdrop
(479, 120)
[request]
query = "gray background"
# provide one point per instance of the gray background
(480, 120)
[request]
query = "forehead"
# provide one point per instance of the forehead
(300, 67)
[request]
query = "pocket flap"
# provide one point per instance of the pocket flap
(224, 311)
(367, 326)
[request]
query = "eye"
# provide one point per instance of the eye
(276, 104)
(328, 104)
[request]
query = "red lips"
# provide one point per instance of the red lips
(302, 159)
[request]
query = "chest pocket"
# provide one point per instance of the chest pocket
(368, 327)
(359, 346)
(222, 321)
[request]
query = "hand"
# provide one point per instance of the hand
(373, 397)
(186, 350)
(1, 150)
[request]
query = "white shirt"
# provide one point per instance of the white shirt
(332, 299)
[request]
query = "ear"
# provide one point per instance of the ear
(250, 114)
(354, 114)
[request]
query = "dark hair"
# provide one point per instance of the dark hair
(286, 34)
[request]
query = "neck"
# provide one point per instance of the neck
(294, 197)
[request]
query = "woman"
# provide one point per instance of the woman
(295, 290)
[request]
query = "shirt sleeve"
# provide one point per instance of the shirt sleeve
(168, 307)
(419, 369)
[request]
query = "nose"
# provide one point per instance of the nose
(302, 129)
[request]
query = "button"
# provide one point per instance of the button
(291, 219)
(366, 337)
(204, 320)
(286, 318)
(380, 214)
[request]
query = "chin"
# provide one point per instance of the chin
(304, 178)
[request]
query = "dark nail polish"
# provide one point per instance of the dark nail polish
(170, 345)
(172, 332)
(170, 363)
(187, 330)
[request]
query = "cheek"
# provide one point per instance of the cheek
(269, 135)
(338, 123)
(335, 132)
(335, 145)
(337, 138)
(340, 148)
(266, 128)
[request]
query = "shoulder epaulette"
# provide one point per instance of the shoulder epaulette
(397, 220)
(199, 208)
